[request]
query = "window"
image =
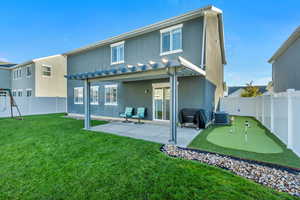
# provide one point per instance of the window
(20, 93)
(2, 94)
(46, 71)
(117, 53)
(19, 73)
(78, 95)
(28, 71)
(14, 93)
(171, 40)
(14, 74)
(28, 92)
(94, 95)
(111, 95)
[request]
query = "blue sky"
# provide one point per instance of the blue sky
(253, 29)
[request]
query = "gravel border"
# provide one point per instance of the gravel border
(280, 178)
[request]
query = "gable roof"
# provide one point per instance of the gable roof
(293, 37)
(34, 60)
(160, 25)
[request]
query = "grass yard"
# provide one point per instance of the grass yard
(260, 144)
(51, 157)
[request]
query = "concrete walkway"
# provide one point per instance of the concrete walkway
(159, 133)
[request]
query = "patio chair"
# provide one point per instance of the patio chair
(127, 114)
(140, 114)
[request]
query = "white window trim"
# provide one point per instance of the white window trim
(78, 103)
(28, 89)
(43, 65)
(19, 90)
(111, 54)
(26, 71)
(95, 103)
(111, 104)
(170, 29)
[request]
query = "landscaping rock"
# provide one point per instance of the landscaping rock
(279, 179)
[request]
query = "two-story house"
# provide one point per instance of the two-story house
(286, 64)
(38, 85)
(173, 64)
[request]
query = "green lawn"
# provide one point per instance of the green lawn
(260, 144)
(51, 157)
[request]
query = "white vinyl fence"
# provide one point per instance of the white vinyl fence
(33, 105)
(279, 112)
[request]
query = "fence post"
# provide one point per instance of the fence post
(272, 112)
(290, 118)
(263, 110)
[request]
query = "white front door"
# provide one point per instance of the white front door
(161, 103)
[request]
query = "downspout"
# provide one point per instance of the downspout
(203, 41)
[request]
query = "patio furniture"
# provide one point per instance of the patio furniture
(127, 114)
(140, 114)
(221, 118)
(192, 115)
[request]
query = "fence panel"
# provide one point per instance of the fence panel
(34, 105)
(274, 112)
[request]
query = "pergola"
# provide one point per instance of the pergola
(165, 68)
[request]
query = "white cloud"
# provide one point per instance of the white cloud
(3, 59)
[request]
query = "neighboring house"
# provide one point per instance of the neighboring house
(236, 91)
(133, 69)
(286, 64)
(38, 85)
(5, 74)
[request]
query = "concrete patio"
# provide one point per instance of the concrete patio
(159, 133)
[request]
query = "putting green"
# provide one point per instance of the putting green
(234, 137)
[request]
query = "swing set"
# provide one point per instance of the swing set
(4, 94)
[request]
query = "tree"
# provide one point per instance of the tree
(251, 90)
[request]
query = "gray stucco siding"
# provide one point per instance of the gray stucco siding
(5, 78)
(24, 82)
(134, 94)
(286, 69)
(141, 49)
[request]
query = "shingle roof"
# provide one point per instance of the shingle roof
(5, 64)
(232, 89)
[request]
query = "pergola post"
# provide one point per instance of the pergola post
(87, 111)
(173, 107)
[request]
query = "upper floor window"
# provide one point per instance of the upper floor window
(94, 95)
(46, 70)
(78, 95)
(17, 74)
(111, 95)
(28, 71)
(171, 40)
(117, 53)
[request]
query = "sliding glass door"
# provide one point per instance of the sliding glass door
(161, 102)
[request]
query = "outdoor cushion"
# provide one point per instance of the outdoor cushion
(140, 113)
(127, 113)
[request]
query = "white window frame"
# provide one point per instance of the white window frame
(105, 93)
(14, 93)
(78, 102)
(94, 101)
(51, 71)
(28, 89)
(28, 67)
(19, 90)
(111, 53)
(170, 29)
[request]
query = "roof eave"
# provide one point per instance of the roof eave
(146, 29)
(292, 38)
